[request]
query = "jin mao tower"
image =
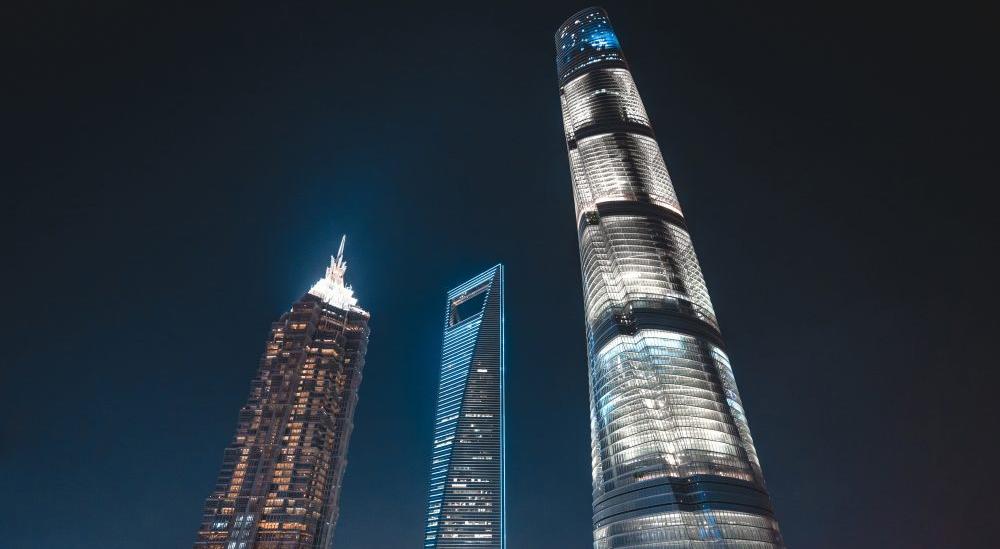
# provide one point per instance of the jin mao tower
(279, 487)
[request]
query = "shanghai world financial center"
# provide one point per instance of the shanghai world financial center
(673, 462)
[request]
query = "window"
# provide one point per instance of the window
(468, 305)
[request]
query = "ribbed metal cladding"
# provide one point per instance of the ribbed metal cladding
(466, 497)
(673, 461)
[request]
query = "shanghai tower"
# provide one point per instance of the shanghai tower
(279, 487)
(465, 501)
(673, 461)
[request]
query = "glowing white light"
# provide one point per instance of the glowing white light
(331, 289)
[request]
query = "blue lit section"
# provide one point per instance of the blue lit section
(503, 420)
(600, 39)
(466, 494)
(584, 40)
(456, 357)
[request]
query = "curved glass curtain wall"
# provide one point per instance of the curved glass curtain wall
(673, 461)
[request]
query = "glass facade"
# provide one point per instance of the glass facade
(465, 504)
(281, 475)
(673, 461)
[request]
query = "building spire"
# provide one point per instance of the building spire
(331, 288)
(335, 272)
(340, 252)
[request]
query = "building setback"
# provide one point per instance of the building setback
(465, 505)
(281, 476)
(673, 461)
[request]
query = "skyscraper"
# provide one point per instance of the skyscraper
(281, 475)
(465, 504)
(673, 461)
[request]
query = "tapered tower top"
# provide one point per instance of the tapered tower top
(586, 40)
(331, 288)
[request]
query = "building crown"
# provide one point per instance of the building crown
(331, 288)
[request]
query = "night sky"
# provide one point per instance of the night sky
(176, 176)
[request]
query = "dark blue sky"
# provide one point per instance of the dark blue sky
(177, 175)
